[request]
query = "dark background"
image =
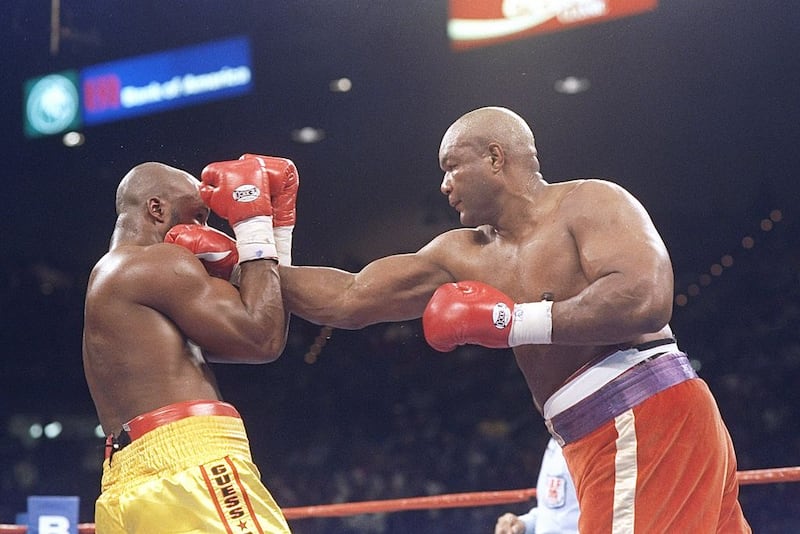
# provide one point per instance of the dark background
(693, 107)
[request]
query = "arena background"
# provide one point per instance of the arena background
(692, 106)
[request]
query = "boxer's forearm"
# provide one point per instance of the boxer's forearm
(395, 288)
(317, 294)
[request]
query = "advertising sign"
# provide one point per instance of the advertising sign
(53, 514)
(165, 80)
(51, 104)
(130, 87)
(472, 24)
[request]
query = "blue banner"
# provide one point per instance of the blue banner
(53, 514)
(165, 80)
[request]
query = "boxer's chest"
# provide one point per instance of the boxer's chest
(545, 265)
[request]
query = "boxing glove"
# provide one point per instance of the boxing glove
(284, 183)
(239, 191)
(472, 312)
(215, 249)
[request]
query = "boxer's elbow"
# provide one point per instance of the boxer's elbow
(651, 308)
(262, 346)
(272, 350)
(252, 356)
(272, 345)
(653, 319)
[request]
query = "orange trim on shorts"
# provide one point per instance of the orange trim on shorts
(230, 496)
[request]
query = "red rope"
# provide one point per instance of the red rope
(451, 500)
(769, 476)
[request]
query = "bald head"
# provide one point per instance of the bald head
(151, 179)
(487, 125)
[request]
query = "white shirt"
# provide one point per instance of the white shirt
(557, 504)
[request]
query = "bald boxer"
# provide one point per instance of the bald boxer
(575, 277)
(177, 456)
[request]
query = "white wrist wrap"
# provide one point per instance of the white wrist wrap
(532, 324)
(283, 242)
(255, 239)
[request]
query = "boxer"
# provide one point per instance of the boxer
(177, 456)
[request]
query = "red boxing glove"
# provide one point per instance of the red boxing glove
(467, 312)
(476, 313)
(283, 184)
(236, 190)
(239, 191)
(215, 249)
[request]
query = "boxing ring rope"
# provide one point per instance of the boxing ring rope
(769, 476)
(451, 500)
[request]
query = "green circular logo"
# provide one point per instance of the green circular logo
(53, 104)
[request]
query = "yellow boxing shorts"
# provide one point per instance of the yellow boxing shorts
(191, 475)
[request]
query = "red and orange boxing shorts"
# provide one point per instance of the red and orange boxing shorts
(647, 447)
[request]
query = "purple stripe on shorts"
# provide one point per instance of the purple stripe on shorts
(628, 390)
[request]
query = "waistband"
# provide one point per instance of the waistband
(146, 422)
(180, 445)
(603, 372)
(632, 387)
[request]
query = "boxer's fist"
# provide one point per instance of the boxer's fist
(283, 184)
(215, 249)
(467, 312)
(476, 313)
(237, 190)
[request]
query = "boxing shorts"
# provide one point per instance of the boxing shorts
(186, 468)
(646, 446)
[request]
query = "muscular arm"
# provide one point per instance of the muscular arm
(246, 326)
(627, 265)
(394, 288)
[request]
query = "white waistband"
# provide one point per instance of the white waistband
(599, 375)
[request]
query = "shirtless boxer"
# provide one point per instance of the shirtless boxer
(575, 277)
(177, 457)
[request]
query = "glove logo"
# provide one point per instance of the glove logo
(246, 193)
(501, 315)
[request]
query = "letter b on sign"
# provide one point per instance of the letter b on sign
(52, 515)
